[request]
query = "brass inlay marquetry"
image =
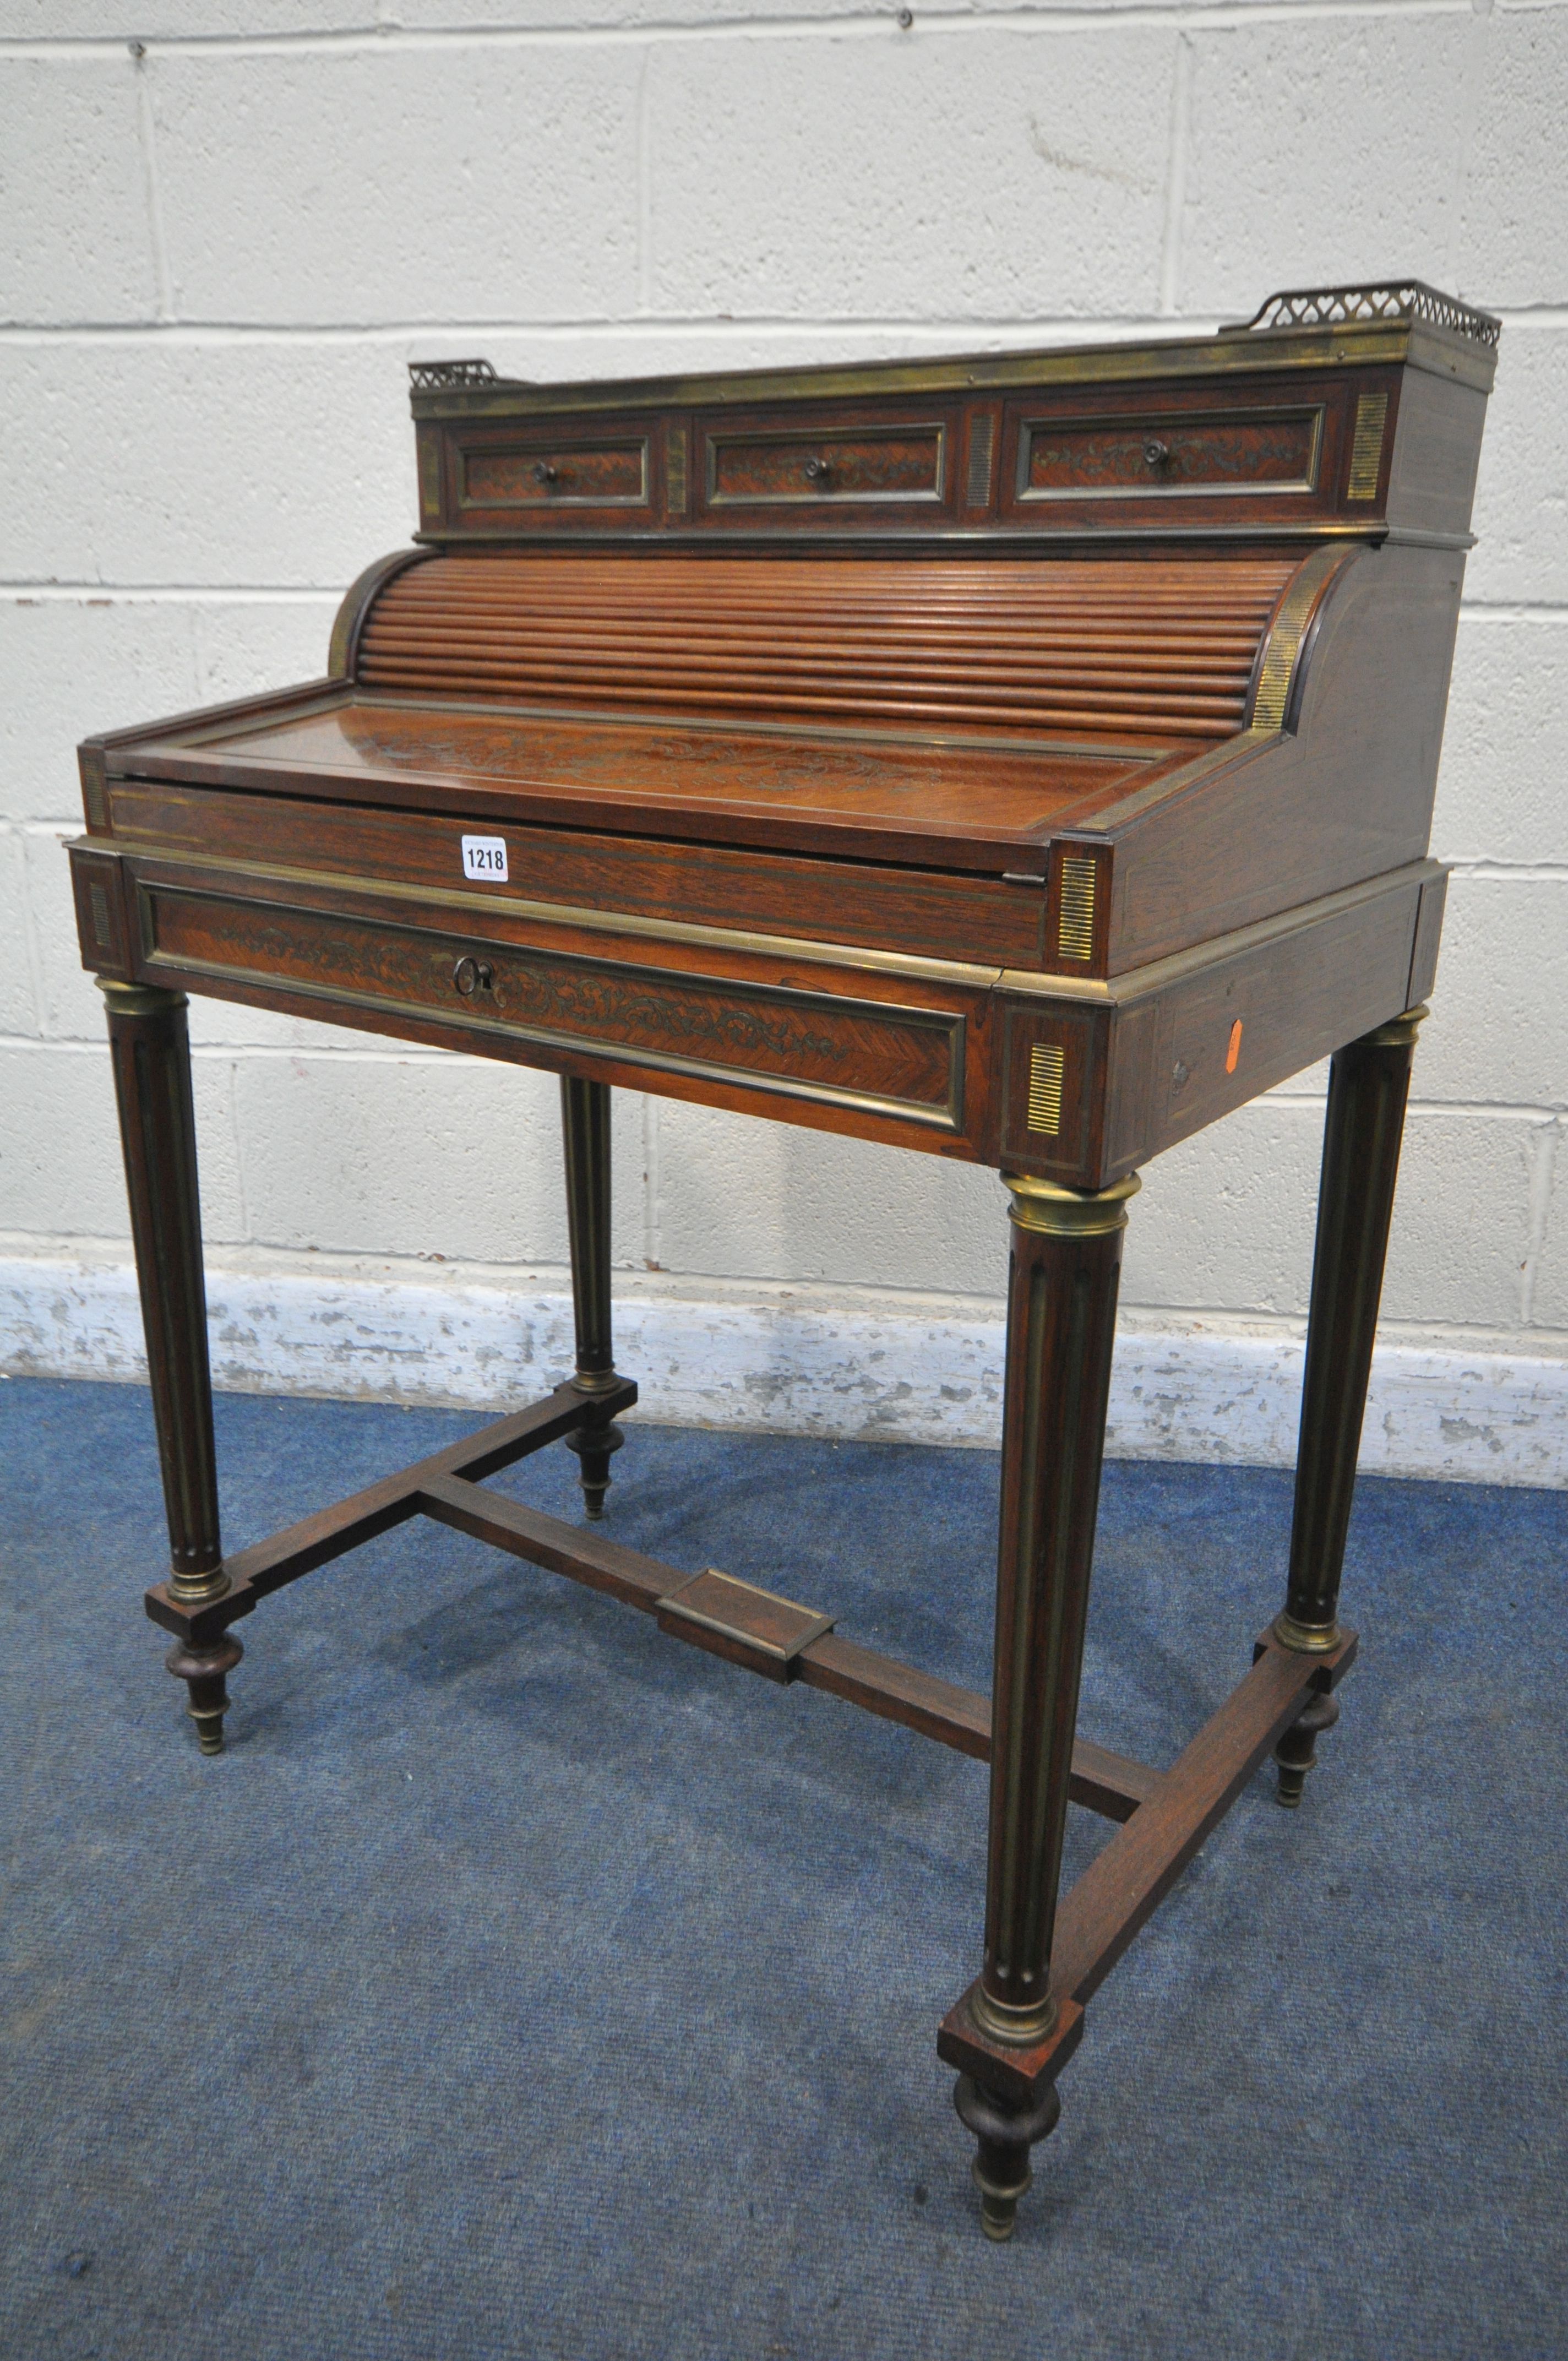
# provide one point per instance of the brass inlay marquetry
(429, 479)
(981, 442)
(1279, 657)
(1366, 446)
(1047, 1061)
(676, 472)
(1075, 922)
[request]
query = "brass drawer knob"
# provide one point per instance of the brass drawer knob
(472, 975)
(1156, 455)
(819, 472)
(546, 473)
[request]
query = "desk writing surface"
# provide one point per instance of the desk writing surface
(934, 800)
(946, 713)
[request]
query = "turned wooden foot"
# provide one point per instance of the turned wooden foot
(1004, 2135)
(204, 1671)
(1298, 1750)
(593, 1446)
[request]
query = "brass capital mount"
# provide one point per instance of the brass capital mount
(1059, 1212)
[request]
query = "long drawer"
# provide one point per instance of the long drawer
(1011, 1067)
(818, 1038)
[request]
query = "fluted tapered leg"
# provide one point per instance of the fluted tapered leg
(1369, 1084)
(585, 1123)
(151, 1055)
(1065, 1266)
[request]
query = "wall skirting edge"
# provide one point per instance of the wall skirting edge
(787, 1360)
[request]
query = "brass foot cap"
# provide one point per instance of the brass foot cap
(999, 2203)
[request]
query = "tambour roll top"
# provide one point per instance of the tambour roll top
(1113, 646)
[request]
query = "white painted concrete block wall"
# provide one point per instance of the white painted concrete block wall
(221, 241)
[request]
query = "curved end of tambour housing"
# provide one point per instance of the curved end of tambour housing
(1274, 697)
(342, 648)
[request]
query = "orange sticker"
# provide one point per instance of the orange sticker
(1233, 1052)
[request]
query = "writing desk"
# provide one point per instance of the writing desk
(1026, 758)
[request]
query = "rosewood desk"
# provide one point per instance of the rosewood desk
(1025, 758)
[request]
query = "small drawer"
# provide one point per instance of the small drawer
(562, 474)
(893, 463)
(500, 479)
(1210, 452)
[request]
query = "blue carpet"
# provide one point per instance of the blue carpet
(520, 1983)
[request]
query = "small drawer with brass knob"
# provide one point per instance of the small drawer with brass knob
(902, 461)
(526, 473)
(1207, 453)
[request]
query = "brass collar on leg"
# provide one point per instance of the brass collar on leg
(1025, 2025)
(137, 999)
(1398, 1033)
(1308, 1639)
(1061, 1213)
(199, 1589)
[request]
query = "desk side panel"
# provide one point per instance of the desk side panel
(1343, 794)
(1088, 1093)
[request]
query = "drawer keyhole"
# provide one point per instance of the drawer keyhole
(472, 975)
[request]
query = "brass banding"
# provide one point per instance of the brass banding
(137, 999)
(195, 1588)
(1075, 924)
(1004, 2022)
(1059, 1212)
(1282, 649)
(1399, 1032)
